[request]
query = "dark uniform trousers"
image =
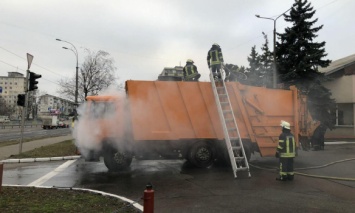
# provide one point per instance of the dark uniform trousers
(286, 168)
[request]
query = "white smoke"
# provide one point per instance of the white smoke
(88, 130)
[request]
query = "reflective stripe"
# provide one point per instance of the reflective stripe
(289, 150)
(190, 71)
(279, 147)
(192, 75)
(215, 54)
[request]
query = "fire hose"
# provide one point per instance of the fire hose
(313, 167)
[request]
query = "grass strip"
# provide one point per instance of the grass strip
(65, 148)
(31, 199)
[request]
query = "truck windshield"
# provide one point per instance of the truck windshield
(100, 109)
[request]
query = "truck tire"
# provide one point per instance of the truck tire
(202, 154)
(247, 149)
(116, 160)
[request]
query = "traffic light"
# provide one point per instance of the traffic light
(21, 98)
(33, 82)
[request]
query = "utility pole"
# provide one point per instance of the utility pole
(274, 76)
(75, 51)
(24, 109)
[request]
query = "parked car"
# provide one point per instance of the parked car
(4, 119)
(61, 124)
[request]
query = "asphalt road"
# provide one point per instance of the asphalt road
(179, 187)
(14, 134)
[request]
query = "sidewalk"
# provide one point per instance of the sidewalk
(7, 151)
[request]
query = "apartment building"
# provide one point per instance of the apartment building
(54, 105)
(171, 74)
(10, 87)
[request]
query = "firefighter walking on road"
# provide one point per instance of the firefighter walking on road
(190, 71)
(215, 60)
(286, 152)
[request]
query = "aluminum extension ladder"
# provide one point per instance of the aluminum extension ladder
(232, 137)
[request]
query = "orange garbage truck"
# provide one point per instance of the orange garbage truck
(180, 120)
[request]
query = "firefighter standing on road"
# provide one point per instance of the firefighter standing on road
(286, 151)
(215, 60)
(190, 71)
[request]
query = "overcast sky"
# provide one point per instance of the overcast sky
(145, 36)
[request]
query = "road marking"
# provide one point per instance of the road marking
(51, 174)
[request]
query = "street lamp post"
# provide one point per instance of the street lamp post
(75, 51)
(274, 76)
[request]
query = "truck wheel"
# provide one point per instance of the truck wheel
(117, 160)
(247, 150)
(201, 154)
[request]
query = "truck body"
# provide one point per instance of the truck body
(175, 119)
(49, 122)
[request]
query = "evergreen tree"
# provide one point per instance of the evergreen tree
(253, 71)
(266, 64)
(299, 56)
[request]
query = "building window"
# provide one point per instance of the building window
(344, 115)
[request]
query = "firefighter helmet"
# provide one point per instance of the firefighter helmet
(189, 61)
(285, 125)
(215, 44)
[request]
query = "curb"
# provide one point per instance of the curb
(338, 142)
(131, 202)
(32, 160)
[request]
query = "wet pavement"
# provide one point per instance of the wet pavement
(179, 187)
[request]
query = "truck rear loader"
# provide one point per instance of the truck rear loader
(177, 119)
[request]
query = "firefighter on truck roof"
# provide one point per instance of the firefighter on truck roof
(215, 60)
(190, 71)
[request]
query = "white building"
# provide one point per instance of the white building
(54, 105)
(342, 87)
(10, 87)
(14, 84)
(171, 74)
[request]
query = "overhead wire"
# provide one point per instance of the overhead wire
(25, 71)
(32, 63)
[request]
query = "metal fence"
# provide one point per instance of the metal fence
(17, 124)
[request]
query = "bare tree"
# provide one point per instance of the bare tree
(6, 109)
(96, 73)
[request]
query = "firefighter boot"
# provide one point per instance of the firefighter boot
(215, 76)
(290, 177)
(282, 178)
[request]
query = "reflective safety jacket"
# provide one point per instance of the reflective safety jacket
(190, 71)
(214, 56)
(287, 145)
